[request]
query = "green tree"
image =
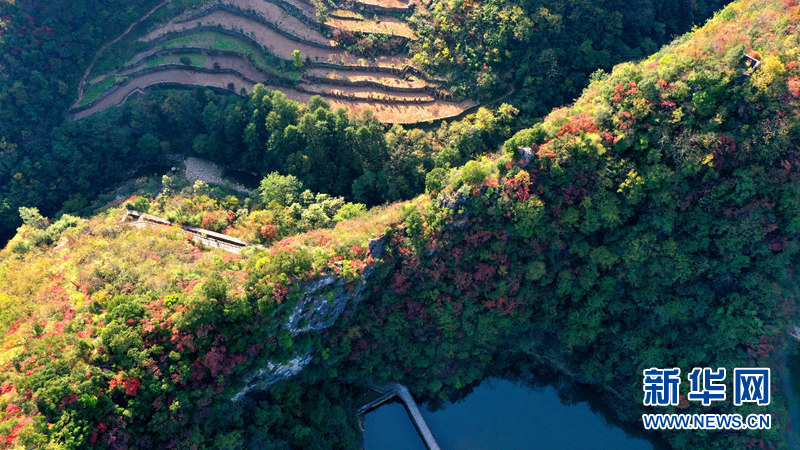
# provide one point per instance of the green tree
(32, 218)
(282, 189)
(298, 60)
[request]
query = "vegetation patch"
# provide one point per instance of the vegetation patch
(188, 59)
(95, 90)
(651, 223)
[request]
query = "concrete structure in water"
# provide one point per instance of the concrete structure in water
(398, 390)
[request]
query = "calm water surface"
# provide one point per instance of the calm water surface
(793, 434)
(500, 414)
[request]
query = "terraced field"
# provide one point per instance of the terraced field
(390, 26)
(356, 58)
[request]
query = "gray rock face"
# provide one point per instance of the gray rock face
(526, 155)
(451, 200)
(272, 373)
(322, 302)
(377, 247)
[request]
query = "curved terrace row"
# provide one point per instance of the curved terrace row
(234, 44)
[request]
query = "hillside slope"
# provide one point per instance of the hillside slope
(652, 224)
(345, 55)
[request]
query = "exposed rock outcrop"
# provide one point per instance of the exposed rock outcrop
(321, 304)
(272, 373)
(325, 299)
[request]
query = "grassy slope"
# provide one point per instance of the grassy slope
(108, 302)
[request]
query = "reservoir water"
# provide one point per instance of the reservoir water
(793, 391)
(501, 414)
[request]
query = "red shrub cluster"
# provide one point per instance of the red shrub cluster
(793, 84)
(622, 91)
(130, 384)
(12, 435)
(268, 232)
(581, 123)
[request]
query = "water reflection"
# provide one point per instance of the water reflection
(390, 428)
(501, 414)
(793, 433)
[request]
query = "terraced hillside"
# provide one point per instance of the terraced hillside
(356, 57)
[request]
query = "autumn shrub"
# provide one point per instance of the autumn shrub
(473, 172)
(141, 204)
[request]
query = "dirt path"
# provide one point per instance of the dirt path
(82, 84)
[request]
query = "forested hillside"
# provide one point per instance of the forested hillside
(61, 167)
(655, 220)
(652, 223)
(44, 48)
(545, 50)
(135, 337)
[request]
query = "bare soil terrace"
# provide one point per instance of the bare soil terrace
(406, 113)
(386, 79)
(388, 113)
(388, 25)
(252, 41)
(362, 93)
(269, 11)
(389, 4)
(275, 42)
(305, 7)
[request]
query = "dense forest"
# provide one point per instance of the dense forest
(44, 48)
(653, 222)
(543, 51)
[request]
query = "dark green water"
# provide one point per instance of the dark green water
(793, 433)
(500, 414)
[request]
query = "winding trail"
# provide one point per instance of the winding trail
(82, 84)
